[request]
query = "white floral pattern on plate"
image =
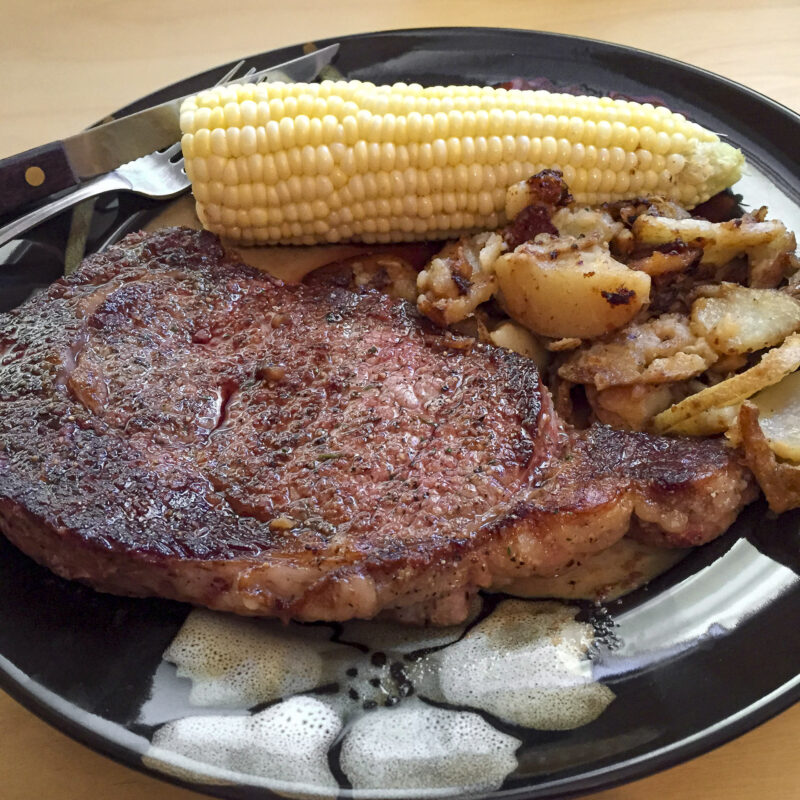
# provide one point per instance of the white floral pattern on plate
(408, 710)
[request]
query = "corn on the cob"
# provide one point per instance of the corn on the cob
(346, 160)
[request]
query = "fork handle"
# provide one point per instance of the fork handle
(104, 183)
(34, 174)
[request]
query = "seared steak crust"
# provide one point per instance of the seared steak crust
(174, 423)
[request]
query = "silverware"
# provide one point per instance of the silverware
(60, 165)
(159, 175)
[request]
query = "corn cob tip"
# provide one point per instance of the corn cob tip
(714, 165)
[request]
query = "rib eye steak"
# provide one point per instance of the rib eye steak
(174, 423)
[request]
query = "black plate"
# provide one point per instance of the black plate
(704, 653)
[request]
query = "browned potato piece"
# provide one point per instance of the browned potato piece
(459, 278)
(518, 196)
(386, 273)
(779, 482)
(565, 287)
(660, 350)
(736, 319)
(721, 241)
(766, 243)
(586, 222)
(779, 416)
(514, 337)
(678, 259)
(630, 407)
(775, 364)
(707, 423)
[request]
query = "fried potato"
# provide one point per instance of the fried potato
(546, 189)
(779, 482)
(708, 423)
(518, 196)
(678, 259)
(459, 278)
(766, 243)
(660, 350)
(655, 206)
(514, 337)
(779, 416)
(630, 407)
(721, 241)
(775, 364)
(741, 320)
(592, 222)
(566, 287)
(563, 345)
(770, 262)
(387, 273)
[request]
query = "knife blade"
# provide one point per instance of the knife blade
(62, 164)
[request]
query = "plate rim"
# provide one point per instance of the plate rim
(637, 768)
(453, 30)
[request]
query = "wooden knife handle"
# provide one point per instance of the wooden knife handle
(33, 175)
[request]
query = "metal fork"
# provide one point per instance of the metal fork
(159, 175)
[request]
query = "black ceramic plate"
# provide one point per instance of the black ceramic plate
(704, 653)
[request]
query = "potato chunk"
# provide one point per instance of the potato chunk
(514, 337)
(459, 278)
(630, 407)
(709, 422)
(775, 365)
(767, 244)
(735, 319)
(593, 222)
(563, 286)
(780, 482)
(660, 350)
(721, 241)
(779, 416)
(546, 189)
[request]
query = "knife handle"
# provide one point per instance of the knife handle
(34, 174)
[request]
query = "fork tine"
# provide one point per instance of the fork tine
(231, 72)
(172, 149)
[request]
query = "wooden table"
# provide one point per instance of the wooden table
(66, 65)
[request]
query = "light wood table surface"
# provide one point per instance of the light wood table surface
(67, 63)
